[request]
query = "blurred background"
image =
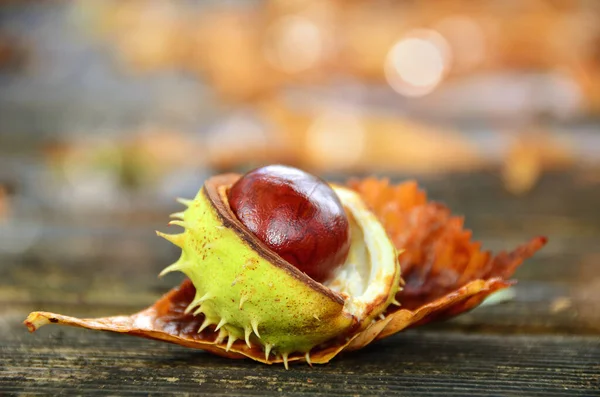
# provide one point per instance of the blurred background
(110, 109)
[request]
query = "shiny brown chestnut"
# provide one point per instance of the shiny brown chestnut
(296, 214)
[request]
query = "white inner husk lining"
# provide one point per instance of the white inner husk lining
(368, 273)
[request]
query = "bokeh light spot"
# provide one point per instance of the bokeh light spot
(417, 63)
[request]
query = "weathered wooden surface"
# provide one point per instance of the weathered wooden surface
(544, 340)
(415, 363)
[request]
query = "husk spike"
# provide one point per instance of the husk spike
(230, 341)
(177, 223)
(247, 333)
(177, 215)
(186, 202)
(284, 356)
(268, 348)
(177, 239)
(254, 324)
(221, 323)
(205, 324)
(307, 358)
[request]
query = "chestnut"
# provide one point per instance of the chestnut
(295, 214)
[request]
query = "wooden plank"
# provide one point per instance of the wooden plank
(410, 364)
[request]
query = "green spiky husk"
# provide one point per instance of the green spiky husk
(244, 289)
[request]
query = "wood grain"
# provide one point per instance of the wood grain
(413, 364)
